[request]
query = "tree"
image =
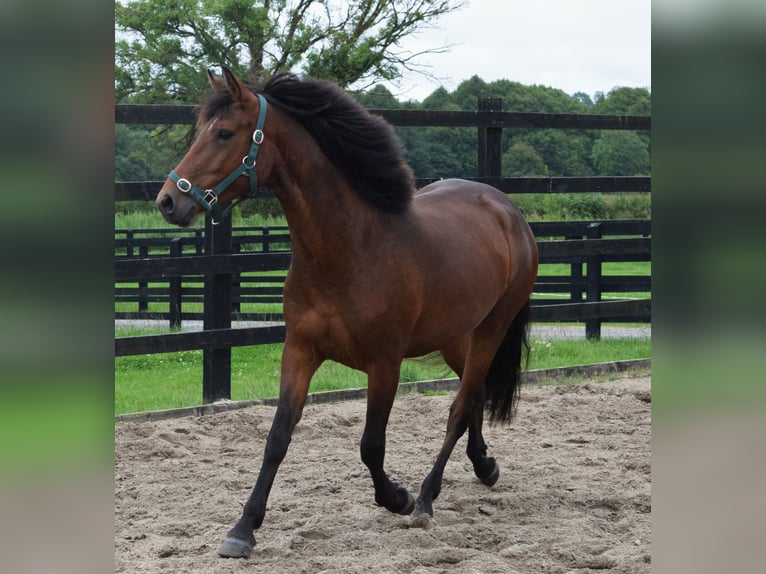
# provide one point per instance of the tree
(163, 45)
(620, 153)
(378, 97)
(522, 160)
(628, 101)
(565, 152)
(583, 98)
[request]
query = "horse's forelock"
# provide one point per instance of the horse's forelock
(215, 103)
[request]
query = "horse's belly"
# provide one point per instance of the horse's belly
(447, 319)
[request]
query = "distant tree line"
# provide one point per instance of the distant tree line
(148, 152)
(433, 152)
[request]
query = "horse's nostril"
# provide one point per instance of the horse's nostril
(166, 204)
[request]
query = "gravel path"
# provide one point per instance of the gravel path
(544, 332)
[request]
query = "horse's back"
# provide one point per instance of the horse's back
(447, 193)
(460, 203)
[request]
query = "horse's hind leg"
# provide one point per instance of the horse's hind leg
(456, 426)
(381, 390)
(469, 397)
(484, 467)
(466, 413)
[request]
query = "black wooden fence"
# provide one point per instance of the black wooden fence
(172, 300)
(189, 266)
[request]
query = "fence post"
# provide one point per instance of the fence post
(143, 286)
(489, 148)
(236, 283)
(593, 293)
(174, 288)
(266, 245)
(216, 363)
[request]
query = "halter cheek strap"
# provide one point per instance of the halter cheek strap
(208, 198)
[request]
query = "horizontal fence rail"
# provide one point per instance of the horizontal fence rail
(166, 114)
(225, 271)
(147, 190)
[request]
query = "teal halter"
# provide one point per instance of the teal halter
(208, 198)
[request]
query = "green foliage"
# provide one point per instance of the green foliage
(584, 99)
(163, 45)
(581, 206)
(440, 152)
(522, 160)
(589, 206)
(146, 153)
(624, 100)
(379, 97)
(620, 153)
(565, 152)
(564, 207)
(629, 206)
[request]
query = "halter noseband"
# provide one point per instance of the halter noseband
(208, 198)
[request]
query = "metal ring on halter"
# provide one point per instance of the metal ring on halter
(248, 162)
(258, 137)
(211, 197)
(184, 185)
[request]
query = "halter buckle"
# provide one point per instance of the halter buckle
(184, 185)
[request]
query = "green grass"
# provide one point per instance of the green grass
(148, 217)
(153, 382)
(545, 354)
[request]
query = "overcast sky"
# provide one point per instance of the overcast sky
(574, 45)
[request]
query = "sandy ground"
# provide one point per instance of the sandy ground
(574, 493)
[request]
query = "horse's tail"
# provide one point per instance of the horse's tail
(504, 377)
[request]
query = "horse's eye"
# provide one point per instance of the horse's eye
(224, 135)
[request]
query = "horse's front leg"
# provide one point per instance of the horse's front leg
(298, 366)
(381, 390)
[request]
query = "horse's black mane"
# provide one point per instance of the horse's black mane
(363, 146)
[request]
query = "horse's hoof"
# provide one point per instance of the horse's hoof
(491, 479)
(422, 518)
(423, 521)
(422, 509)
(409, 507)
(235, 548)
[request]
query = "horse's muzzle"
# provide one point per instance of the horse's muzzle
(176, 208)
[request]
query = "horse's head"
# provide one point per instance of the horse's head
(220, 165)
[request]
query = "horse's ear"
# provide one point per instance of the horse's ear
(215, 81)
(232, 83)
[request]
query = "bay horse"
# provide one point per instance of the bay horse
(380, 271)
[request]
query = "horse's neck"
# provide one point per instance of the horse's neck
(324, 214)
